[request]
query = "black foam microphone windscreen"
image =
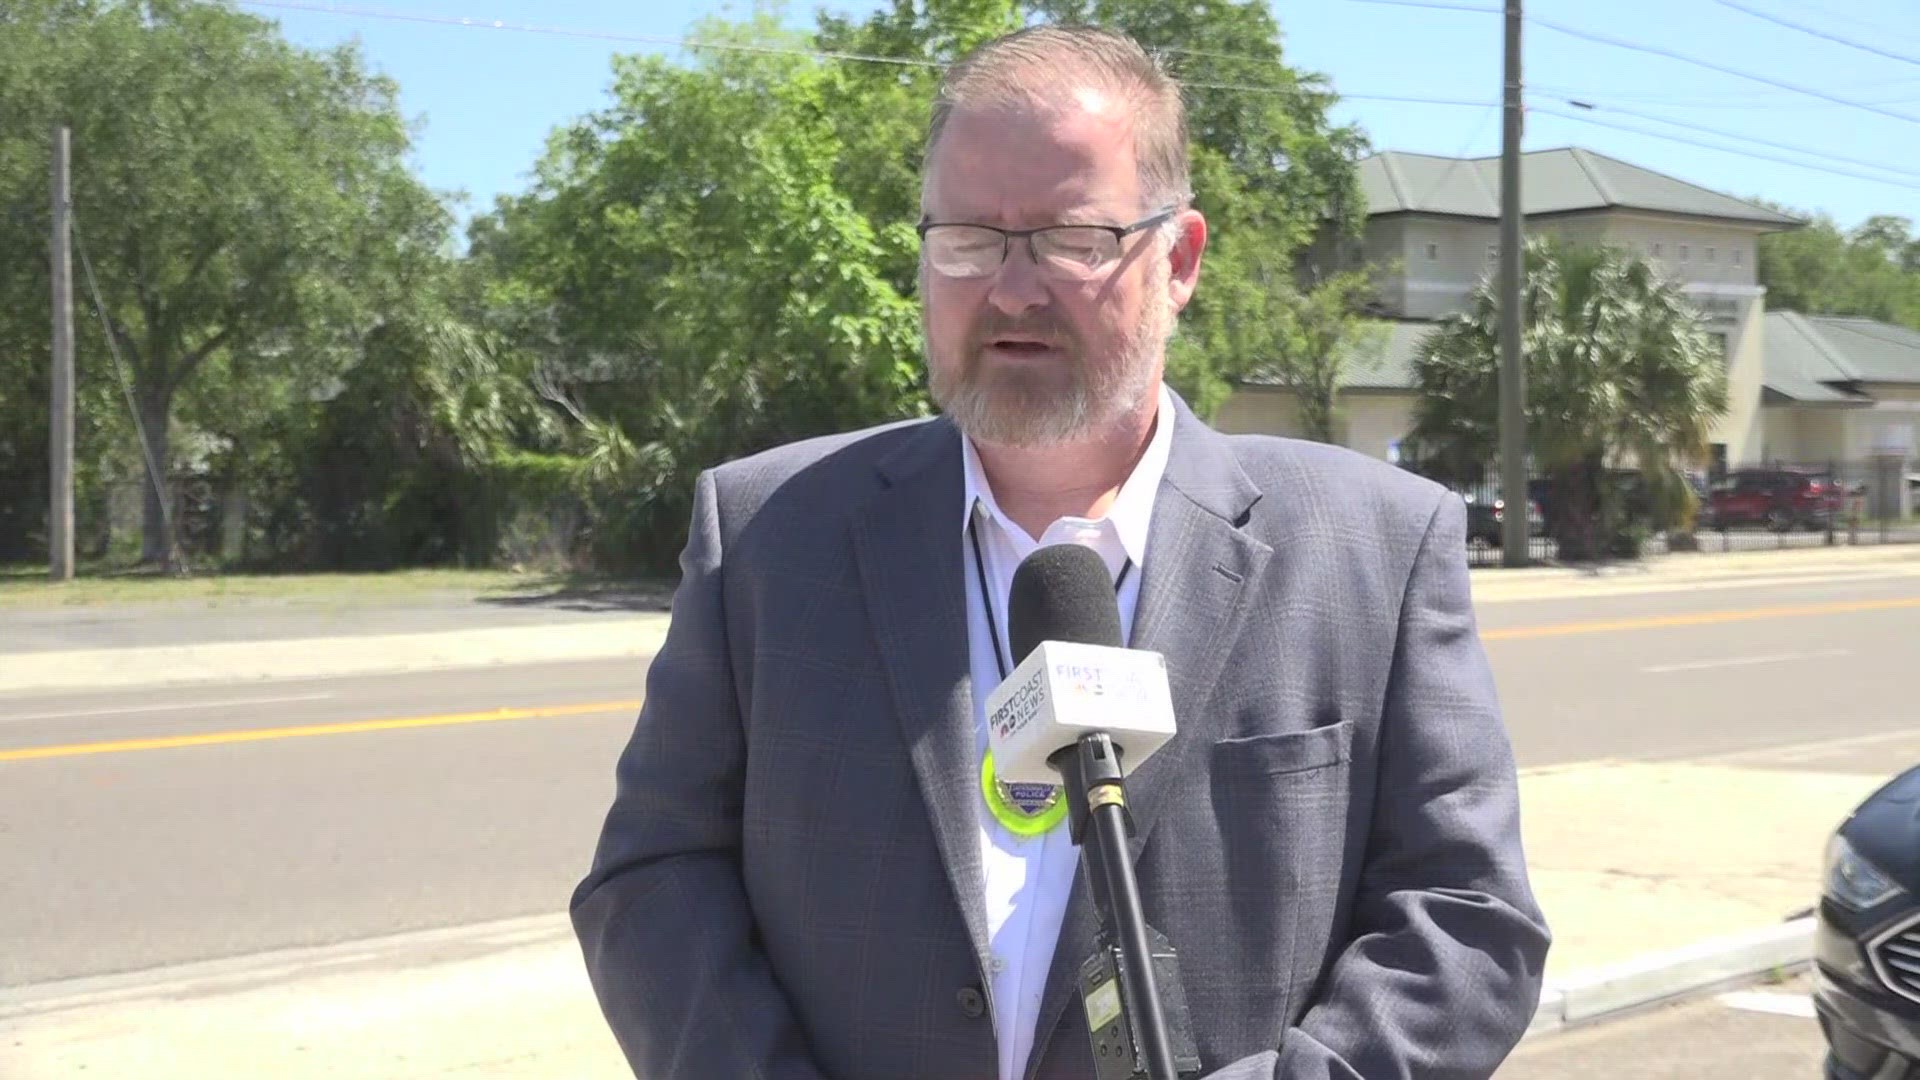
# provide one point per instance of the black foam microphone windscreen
(1062, 592)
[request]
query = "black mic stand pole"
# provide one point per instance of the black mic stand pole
(1096, 792)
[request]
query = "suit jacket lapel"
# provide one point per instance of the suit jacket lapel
(1200, 567)
(907, 541)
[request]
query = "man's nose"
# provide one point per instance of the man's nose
(1017, 287)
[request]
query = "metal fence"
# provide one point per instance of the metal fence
(1775, 506)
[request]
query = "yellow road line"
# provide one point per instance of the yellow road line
(1699, 618)
(217, 738)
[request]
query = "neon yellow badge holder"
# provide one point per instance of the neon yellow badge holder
(1024, 809)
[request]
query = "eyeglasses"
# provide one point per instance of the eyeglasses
(1073, 252)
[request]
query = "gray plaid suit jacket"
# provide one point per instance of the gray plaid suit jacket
(788, 884)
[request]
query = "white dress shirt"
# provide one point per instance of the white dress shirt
(1028, 879)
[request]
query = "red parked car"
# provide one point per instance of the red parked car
(1778, 498)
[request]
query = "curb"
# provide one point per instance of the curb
(404, 949)
(1713, 964)
(311, 658)
(1584, 997)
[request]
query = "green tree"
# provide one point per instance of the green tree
(1872, 272)
(1271, 171)
(424, 452)
(691, 273)
(236, 194)
(724, 257)
(1620, 374)
(1313, 339)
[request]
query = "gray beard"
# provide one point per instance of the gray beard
(1028, 417)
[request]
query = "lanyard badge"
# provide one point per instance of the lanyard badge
(1022, 809)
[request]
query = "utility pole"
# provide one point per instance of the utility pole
(60, 516)
(1513, 376)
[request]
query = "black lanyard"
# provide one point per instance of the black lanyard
(986, 598)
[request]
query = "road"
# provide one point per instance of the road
(154, 852)
(1761, 1033)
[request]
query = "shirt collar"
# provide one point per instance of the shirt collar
(1132, 510)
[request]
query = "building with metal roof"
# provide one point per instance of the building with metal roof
(1801, 387)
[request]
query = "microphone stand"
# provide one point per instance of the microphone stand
(1096, 794)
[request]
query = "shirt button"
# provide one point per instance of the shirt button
(997, 965)
(972, 1002)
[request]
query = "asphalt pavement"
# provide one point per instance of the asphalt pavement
(49, 628)
(436, 809)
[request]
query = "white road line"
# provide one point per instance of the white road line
(1799, 1005)
(178, 707)
(1741, 661)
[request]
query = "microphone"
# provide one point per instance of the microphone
(1083, 710)
(1073, 678)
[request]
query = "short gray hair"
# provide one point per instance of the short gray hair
(1021, 68)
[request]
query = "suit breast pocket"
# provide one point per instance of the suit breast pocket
(1280, 805)
(1285, 752)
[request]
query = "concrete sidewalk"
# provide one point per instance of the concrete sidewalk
(1658, 879)
(390, 639)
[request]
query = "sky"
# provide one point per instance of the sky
(488, 80)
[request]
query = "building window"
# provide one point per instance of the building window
(1683, 252)
(1736, 256)
(1433, 252)
(1659, 249)
(1711, 254)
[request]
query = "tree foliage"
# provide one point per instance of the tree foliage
(1271, 172)
(1313, 338)
(1620, 373)
(724, 259)
(244, 202)
(1872, 272)
(695, 276)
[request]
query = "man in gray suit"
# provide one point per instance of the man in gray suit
(809, 871)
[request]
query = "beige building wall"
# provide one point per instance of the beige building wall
(1370, 421)
(1803, 435)
(1691, 252)
(1742, 428)
(1376, 421)
(1893, 422)
(1444, 260)
(1259, 410)
(1385, 251)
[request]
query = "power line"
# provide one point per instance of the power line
(1746, 100)
(1460, 156)
(1900, 170)
(689, 43)
(1467, 103)
(154, 467)
(561, 31)
(1654, 50)
(1725, 150)
(1768, 80)
(485, 24)
(1432, 5)
(1835, 38)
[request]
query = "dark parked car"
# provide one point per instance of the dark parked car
(1628, 492)
(1487, 513)
(1780, 499)
(1867, 939)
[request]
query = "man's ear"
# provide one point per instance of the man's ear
(1189, 242)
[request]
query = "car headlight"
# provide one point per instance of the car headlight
(1852, 881)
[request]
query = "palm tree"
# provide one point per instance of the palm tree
(1620, 373)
